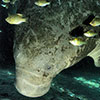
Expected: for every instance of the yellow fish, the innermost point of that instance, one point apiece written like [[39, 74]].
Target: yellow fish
[[15, 19], [6, 1], [77, 42], [95, 22], [90, 33], [42, 3]]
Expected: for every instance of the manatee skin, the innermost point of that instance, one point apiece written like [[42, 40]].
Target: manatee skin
[[42, 48], [95, 54]]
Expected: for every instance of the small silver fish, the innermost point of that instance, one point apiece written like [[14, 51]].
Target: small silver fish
[[13, 1], [0, 31], [90, 33], [6, 1], [42, 3], [95, 22], [9, 73], [77, 42], [5, 6]]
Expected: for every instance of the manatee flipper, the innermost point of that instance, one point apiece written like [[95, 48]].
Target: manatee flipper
[[95, 54], [97, 62]]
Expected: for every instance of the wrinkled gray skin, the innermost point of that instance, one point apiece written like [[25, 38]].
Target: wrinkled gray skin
[[42, 48]]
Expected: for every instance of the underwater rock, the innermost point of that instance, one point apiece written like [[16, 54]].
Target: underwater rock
[[41, 46]]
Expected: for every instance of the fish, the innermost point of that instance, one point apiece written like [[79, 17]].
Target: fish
[[77, 42], [95, 22], [10, 73], [6, 1], [13, 2], [90, 33], [15, 19], [0, 31], [5, 6], [42, 3]]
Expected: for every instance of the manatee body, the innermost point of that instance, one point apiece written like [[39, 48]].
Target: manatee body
[[42, 48]]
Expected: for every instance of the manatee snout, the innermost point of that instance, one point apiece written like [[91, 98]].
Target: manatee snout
[[33, 76]]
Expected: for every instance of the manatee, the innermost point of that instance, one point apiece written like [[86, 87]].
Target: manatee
[[41, 46]]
